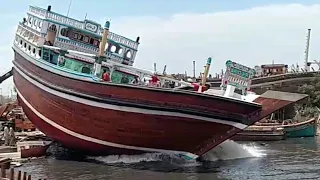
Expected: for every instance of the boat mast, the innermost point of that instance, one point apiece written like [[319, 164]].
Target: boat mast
[[206, 71], [101, 57], [306, 59], [69, 8]]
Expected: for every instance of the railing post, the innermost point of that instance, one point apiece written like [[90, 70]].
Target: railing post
[[3, 171], [19, 175], [24, 176], [11, 174]]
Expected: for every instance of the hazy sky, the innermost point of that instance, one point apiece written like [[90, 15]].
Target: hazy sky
[[176, 32]]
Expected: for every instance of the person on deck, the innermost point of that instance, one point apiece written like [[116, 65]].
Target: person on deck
[[125, 79], [154, 81], [106, 76]]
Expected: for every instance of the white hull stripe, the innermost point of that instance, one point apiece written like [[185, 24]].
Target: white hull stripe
[[94, 140], [124, 108]]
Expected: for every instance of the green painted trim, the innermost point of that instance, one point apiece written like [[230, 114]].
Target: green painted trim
[[42, 61]]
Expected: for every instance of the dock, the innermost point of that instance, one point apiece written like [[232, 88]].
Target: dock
[[8, 173]]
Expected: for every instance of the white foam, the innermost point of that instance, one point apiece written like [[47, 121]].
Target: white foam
[[232, 150], [148, 157], [225, 151]]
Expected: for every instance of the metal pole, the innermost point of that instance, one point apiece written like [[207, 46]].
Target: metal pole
[[194, 69], [69, 8], [307, 51]]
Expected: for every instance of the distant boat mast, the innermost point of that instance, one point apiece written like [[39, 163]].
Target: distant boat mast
[[69, 8], [306, 59]]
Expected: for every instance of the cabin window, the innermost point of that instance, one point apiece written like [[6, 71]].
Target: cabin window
[[40, 52], [86, 39], [25, 45], [29, 48], [80, 37], [39, 24], [64, 32], [91, 41], [30, 19], [128, 54], [34, 50], [95, 43], [20, 42], [85, 70], [53, 28], [113, 48], [120, 51], [35, 22], [75, 36]]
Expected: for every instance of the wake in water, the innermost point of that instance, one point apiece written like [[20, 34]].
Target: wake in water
[[225, 151]]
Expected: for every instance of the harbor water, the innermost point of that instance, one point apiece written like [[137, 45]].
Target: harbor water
[[297, 158]]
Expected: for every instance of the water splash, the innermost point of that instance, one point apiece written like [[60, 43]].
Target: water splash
[[128, 159], [225, 151], [232, 150]]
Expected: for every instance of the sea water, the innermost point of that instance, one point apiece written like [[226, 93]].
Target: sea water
[[289, 159]]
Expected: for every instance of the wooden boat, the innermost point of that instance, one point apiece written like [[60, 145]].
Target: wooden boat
[[306, 128], [260, 133], [58, 64], [33, 146]]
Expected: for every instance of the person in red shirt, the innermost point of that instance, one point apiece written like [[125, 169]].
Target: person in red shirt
[[105, 76]]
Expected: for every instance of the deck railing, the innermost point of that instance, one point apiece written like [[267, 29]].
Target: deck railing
[[81, 25]]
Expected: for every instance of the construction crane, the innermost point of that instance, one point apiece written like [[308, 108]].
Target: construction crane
[[6, 75]]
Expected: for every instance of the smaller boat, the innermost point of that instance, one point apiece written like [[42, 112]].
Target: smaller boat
[[33, 146], [260, 133], [306, 128]]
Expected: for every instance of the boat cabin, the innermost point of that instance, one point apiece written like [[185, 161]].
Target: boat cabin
[[45, 27]]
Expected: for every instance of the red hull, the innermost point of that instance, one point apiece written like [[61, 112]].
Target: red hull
[[242, 111], [100, 128]]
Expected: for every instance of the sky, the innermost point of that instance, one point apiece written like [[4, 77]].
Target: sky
[[176, 32]]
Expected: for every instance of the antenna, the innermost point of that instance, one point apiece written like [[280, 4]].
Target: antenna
[[85, 17], [307, 51], [69, 8]]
